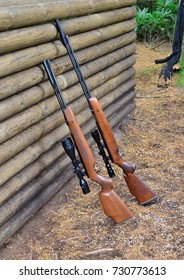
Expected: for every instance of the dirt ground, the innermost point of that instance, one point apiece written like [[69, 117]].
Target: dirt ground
[[73, 226]]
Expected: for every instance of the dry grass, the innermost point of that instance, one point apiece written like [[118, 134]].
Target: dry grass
[[73, 226]]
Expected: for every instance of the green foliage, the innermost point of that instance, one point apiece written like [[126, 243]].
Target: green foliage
[[146, 3], [180, 80], [156, 20]]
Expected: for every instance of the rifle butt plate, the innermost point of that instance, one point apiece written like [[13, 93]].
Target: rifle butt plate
[[150, 201]]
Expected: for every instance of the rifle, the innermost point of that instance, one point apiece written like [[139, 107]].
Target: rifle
[[137, 188], [111, 203]]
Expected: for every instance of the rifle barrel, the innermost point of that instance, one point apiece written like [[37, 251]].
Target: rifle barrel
[[142, 192], [66, 43], [54, 83]]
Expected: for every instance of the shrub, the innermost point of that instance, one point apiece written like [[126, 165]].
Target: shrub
[[156, 20]]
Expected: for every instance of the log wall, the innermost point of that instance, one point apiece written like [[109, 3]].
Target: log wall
[[33, 165]]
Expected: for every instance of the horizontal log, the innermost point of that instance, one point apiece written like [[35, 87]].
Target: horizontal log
[[21, 121], [23, 196], [30, 116], [7, 3], [23, 59], [114, 85], [28, 136], [28, 78], [30, 154], [21, 141], [17, 39], [101, 77], [28, 211], [47, 158], [30, 172], [31, 14], [29, 169], [122, 92], [30, 97], [27, 193]]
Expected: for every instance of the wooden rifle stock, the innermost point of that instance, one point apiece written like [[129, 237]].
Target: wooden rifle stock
[[111, 203], [138, 189]]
